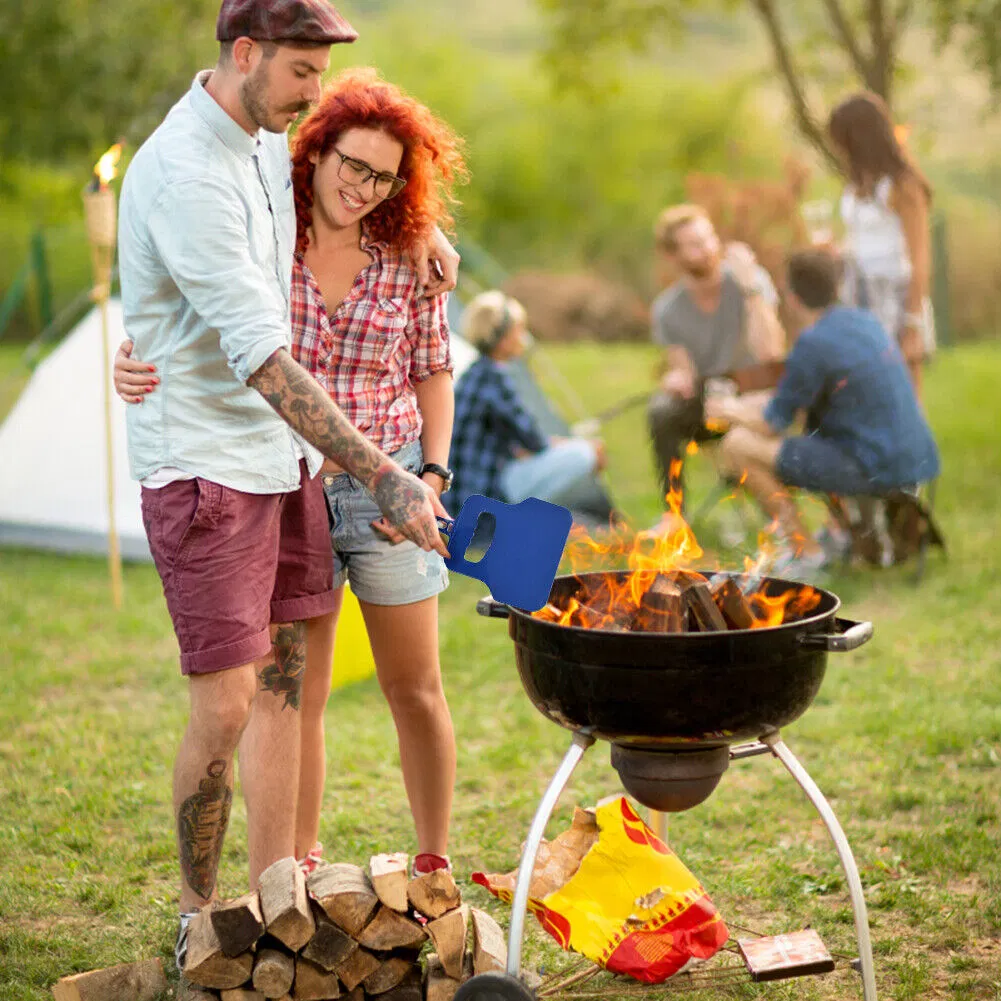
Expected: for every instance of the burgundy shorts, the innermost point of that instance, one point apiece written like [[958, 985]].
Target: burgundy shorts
[[233, 562]]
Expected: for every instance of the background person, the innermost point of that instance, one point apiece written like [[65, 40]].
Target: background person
[[885, 209], [864, 430], [718, 317], [498, 448]]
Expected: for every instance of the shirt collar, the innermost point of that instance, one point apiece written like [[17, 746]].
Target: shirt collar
[[234, 137]]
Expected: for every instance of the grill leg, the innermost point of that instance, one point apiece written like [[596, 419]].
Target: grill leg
[[519, 907], [816, 797]]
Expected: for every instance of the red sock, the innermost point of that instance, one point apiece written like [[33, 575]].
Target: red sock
[[428, 862]]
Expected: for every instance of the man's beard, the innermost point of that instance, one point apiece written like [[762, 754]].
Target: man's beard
[[254, 98]]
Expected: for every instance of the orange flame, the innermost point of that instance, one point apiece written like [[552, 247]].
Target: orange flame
[[772, 610], [902, 133], [106, 169]]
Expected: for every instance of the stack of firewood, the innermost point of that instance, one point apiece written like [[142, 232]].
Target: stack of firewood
[[342, 933]]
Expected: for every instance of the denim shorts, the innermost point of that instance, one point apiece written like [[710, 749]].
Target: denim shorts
[[379, 573], [816, 463]]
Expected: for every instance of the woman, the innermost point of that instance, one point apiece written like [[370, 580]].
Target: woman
[[498, 448], [371, 171], [885, 210]]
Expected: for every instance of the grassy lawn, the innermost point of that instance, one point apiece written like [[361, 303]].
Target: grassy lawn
[[905, 739]]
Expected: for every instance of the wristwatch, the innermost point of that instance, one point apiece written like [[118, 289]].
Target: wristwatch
[[439, 470]]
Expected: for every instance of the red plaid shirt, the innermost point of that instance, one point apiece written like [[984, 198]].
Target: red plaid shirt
[[382, 339]]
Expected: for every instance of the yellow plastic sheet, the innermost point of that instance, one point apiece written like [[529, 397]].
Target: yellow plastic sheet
[[632, 906]]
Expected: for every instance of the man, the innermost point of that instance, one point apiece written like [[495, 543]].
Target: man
[[719, 317], [226, 449], [865, 433], [498, 449]]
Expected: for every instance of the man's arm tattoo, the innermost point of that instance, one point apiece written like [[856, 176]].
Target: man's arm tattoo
[[284, 676], [201, 827], [304, 405]]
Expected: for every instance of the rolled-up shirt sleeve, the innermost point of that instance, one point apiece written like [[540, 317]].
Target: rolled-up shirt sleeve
[[200, 230], [429, 337], [801, 385]]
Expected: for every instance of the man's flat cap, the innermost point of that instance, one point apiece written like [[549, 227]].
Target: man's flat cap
[[282, 21]]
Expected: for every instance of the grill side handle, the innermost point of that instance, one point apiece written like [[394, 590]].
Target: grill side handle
[[850, 635], [491, 609]]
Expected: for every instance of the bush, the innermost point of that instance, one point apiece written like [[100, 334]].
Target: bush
[[973, 240]]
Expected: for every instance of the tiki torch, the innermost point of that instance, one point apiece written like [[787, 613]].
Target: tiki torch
[[101, 214]]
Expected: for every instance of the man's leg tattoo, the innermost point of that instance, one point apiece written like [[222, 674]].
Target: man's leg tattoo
[[284, 676], [201, 827]]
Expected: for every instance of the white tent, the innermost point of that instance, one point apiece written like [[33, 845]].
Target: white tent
[[53, 489], [53, 493]]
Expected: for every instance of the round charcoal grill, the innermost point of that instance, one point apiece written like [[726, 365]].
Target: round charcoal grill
[[676, 709]]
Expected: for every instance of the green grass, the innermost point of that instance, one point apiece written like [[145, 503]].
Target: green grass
[[905, 739]]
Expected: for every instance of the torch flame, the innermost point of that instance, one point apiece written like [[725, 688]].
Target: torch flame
[[106, 169]]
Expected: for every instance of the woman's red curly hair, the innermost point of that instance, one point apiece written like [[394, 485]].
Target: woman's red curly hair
[[432, 157]]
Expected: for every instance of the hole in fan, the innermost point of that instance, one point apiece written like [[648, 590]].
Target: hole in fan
[[483, 536]]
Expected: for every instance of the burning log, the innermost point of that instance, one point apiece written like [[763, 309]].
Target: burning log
[[662, 608], [732, 602], [703, 613]]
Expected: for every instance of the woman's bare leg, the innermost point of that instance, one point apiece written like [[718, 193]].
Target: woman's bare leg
[[405, 644], [320, 633]]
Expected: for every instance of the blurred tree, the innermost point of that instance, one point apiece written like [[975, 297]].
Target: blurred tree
[[78, 74], [866, 33]]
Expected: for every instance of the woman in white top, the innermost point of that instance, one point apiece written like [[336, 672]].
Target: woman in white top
[[885, 208]]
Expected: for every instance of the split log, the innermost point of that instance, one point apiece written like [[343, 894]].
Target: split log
[[448, 933], [389, 879], [358, 994], [241, 994], [732, 602], [489, 945], [703, 613], [410, 988], [434, 893], [313, 983], [662, 609], [391, 930], [206, 965], [188, 991], [360, 964], [438, 985], [390, 973], [329, 945], [285, 904], [238, 923], [142, 981], [274, 972], [346, 895]]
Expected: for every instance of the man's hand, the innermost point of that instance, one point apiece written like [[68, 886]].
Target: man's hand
[[133, 379], [408, 504], [744, 267], [437, 264], [404, 500], [679, 382], [721, 409]]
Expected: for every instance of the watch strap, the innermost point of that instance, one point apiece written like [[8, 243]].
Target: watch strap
[[438, 470]]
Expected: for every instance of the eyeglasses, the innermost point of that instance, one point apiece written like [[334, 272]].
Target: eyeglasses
[[358, 172]]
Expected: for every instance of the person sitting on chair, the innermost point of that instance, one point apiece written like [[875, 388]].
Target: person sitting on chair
[[498, 448], [865, 433], [719, 317]]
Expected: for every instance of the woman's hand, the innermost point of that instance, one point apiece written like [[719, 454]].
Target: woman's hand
[[435, 482], [437, 264], [133, 379]]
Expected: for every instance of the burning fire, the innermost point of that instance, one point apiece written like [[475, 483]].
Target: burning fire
[[106, 169], [671, 549]]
